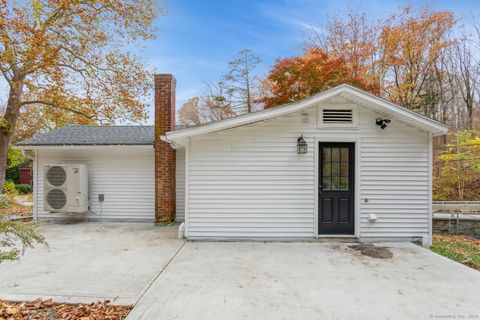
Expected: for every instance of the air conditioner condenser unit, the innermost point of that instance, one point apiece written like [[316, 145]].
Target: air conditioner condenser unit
[[65, 188]]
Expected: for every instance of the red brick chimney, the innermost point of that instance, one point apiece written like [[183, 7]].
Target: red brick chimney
[[164, 154]]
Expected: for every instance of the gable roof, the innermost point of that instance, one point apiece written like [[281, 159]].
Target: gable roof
[[348, 92], [78, 135]]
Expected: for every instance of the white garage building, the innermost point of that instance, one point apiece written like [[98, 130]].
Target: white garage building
[[340, 163]]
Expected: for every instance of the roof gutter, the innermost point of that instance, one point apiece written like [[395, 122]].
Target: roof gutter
[[173, 144], [91, 146]]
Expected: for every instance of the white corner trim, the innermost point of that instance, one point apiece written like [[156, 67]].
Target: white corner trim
[[35, 185], [430, 189], [316, 182], [187, 186]]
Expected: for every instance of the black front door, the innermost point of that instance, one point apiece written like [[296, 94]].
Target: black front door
[[336, 187]]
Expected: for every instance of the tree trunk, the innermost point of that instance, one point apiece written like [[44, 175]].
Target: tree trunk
[[469, 105], [7, 126]]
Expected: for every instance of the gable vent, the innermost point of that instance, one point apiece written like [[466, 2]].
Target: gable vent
[[337, 116]]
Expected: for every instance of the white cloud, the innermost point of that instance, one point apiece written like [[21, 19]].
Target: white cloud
[[289, 19]]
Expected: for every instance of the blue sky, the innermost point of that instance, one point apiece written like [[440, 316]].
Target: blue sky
[[196, 38]]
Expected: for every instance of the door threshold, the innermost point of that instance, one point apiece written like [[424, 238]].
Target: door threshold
[[336, 236], [347, 238]]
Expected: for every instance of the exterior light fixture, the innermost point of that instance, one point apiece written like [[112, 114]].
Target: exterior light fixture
[[302, 146], [382, 123]]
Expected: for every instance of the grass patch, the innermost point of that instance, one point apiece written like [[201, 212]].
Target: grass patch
[[462, 249]]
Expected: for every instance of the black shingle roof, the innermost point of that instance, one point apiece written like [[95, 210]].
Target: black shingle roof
[[77, 135]]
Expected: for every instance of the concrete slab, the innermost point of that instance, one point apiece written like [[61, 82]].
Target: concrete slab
[[209, 280], [86, 262]]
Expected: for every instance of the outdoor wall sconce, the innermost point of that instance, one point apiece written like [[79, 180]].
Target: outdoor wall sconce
[[302, 146], [382, 123]]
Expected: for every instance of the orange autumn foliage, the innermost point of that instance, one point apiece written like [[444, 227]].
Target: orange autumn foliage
[[412, 44], [70, 61], [292, 79]]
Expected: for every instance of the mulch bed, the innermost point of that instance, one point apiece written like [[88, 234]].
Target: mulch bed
[[48, 310]]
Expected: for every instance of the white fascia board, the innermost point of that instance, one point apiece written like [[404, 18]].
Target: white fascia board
[[436, 128], [82, 147], [433, 126], [177, 144]]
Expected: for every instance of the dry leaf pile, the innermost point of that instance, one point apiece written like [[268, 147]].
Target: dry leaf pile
[[17, 210], [47, 309], [457, 239]]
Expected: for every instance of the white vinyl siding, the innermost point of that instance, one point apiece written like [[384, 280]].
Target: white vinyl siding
[[250, 182], [180, 184], [125, 175]]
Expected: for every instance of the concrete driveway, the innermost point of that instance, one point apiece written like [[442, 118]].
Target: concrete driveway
[[168, 278], [87, 262], [222, 280]]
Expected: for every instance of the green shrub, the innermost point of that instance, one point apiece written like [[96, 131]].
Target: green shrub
[[24, 188], [13, 174], [9, 188]]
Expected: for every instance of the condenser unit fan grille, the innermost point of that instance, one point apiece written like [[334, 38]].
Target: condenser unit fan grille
[[56, 176], [56, 199]]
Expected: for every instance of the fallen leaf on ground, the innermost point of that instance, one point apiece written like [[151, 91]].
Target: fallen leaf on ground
[[49, 310]]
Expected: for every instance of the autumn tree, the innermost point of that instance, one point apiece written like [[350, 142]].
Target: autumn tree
[[214, 105], [241, 81], [292, 79], [463, 81], [465, 73], [411, 44], [235, 93], [426, 61], [190, 113], [64, 57], [355, 37], [458, 177], [405, 53]]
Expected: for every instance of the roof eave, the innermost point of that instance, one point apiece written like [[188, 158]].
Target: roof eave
[[251, 117], [423, 122], [79, 146], [427, 124]]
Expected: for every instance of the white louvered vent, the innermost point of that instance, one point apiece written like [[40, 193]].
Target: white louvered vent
[[337, 116]]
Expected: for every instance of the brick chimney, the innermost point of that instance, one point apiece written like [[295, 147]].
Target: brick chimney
[[164, 154]]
